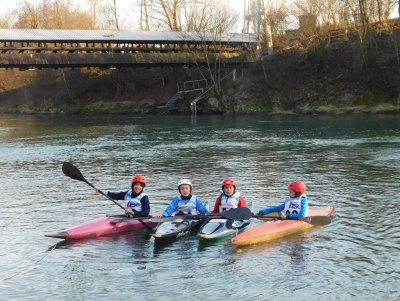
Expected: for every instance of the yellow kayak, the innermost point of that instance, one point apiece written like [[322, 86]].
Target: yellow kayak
[[273, 229]]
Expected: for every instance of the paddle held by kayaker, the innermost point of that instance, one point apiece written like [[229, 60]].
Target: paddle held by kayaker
[[294, 206], [229, 197], [137, 202], [185, 202]]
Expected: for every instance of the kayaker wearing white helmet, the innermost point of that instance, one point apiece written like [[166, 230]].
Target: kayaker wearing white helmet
[[185, 203], [295, 206]]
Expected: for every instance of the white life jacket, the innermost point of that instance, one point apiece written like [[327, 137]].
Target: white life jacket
[[134, 202], [229, 202], [292, 206], [186, 206]]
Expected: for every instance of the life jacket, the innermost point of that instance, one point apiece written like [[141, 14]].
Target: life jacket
[[134, 202], [229, 202], [186, 206], [292, 205]]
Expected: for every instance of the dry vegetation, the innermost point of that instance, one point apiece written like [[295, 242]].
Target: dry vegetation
[[344, 57]]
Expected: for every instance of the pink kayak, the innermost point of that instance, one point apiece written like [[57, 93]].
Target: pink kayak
[[104, 226]]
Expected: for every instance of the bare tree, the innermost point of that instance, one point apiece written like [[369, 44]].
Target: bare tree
[[145, 9], [115, 15], [276, 15], [51, 14], [27, 16], [7, 20], [110, 14], [94, 6], [188, 15]]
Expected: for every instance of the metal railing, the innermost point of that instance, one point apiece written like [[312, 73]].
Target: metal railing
[[192, 85]]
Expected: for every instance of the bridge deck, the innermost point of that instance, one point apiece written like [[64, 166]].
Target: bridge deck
[[42, 48]]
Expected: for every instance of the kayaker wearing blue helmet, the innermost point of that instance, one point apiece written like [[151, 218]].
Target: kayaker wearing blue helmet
[[185, 203], [295, 206]]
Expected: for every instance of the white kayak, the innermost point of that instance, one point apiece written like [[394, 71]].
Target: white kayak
[[176, 228]]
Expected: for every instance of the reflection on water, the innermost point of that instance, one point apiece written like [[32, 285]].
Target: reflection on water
[[351, 161]]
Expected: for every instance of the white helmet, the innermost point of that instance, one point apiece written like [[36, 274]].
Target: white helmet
[[185, 182]]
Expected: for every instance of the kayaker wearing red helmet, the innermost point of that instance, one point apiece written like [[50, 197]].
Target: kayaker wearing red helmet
[[295, 206], [185, 203], [137, 202], [229, 197]]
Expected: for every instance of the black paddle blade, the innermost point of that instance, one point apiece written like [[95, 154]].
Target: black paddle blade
[[72, 172], [317, 220], [241, 213]]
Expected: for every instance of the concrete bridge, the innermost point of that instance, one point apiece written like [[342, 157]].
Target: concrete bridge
[[53, 48]]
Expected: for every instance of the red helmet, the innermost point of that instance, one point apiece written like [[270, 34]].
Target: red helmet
[[298, 186], [229, 181], [139, 179]]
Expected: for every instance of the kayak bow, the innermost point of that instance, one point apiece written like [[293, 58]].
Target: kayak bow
[[103, 226]]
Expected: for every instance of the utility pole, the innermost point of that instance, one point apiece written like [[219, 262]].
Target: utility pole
[[255, 22]]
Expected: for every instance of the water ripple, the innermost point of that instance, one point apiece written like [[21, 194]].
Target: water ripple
[[350, 161]]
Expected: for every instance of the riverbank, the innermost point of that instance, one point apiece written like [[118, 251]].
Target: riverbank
[[321, 80]]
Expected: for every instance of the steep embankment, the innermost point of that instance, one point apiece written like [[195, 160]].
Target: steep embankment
[[342, 78]]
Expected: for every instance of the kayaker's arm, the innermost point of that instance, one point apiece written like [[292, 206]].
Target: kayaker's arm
[[116, 195], [242, 202], [171, 208], [278, 208], [200, 206], [145, 207], [217, 204]]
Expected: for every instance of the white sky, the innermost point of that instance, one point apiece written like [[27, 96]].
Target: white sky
[[237, 4], [12, 4]]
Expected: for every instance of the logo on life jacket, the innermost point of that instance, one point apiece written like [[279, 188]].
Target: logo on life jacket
[[133, 204], [294, 205]]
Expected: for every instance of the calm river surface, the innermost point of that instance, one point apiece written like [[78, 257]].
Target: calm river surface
[[350, 161]]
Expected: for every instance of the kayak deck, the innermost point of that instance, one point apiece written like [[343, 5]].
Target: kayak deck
[[274, 229], [220, 228], [103, 226], [176, 228]]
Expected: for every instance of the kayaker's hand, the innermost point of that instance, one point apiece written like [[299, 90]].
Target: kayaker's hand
[[97, 188], [129, 211], [282, 215], [260, 212]]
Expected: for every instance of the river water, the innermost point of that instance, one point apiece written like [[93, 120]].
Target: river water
[[350, 161]]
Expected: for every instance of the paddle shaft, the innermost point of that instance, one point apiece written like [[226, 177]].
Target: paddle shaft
[[319, 220], [242, 213], [106, 195]]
